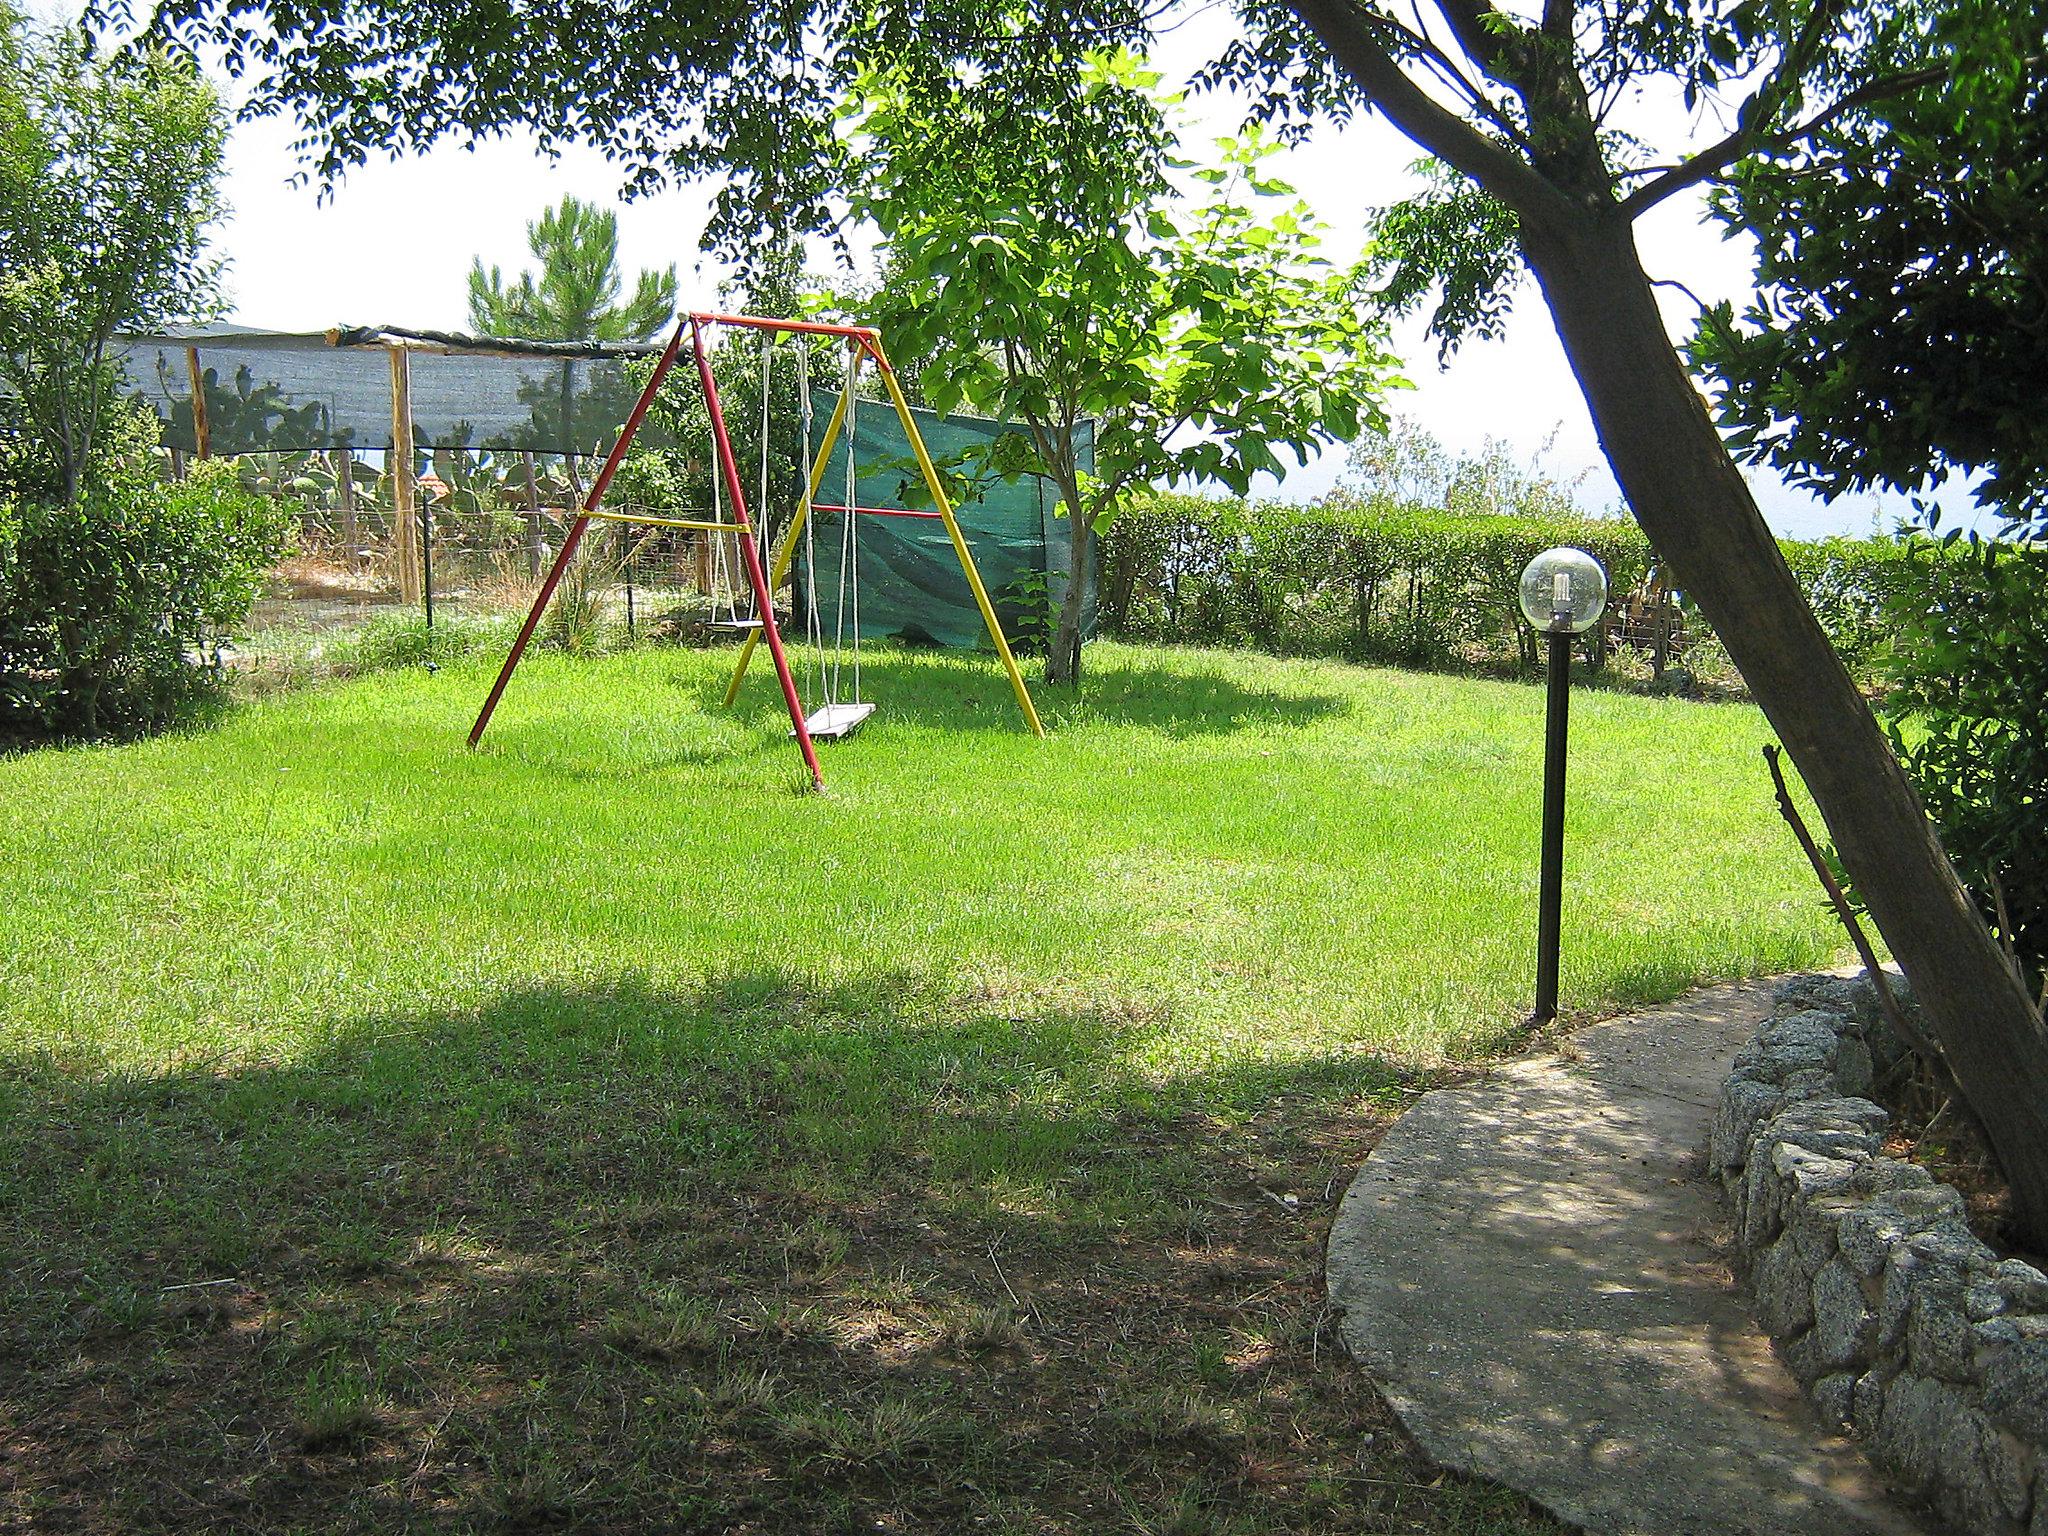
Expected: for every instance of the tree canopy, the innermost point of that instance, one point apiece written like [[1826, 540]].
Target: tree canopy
[[1898, 333], [1204, 335], [109, 171]]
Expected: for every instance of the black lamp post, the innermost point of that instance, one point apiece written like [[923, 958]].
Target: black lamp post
[[1564, 592]]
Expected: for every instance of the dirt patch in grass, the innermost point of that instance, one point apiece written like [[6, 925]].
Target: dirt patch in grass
[[641, 1300]]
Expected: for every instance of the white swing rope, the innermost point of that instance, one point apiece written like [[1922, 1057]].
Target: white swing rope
[[721, 557], [814, 623]]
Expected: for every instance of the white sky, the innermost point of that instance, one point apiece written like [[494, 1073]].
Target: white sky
[[393, 245]]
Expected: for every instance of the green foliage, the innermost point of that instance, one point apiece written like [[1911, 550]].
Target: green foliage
[[1202, 330], [108, 603], [1364, 578], [1453, 244], [1902, 255], [1374, 578], [108, 174], [575, 295], [1968, 713]]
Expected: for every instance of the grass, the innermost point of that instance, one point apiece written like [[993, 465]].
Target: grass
[[595, 1132]]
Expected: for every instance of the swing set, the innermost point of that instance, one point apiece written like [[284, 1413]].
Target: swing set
[[835, 717]]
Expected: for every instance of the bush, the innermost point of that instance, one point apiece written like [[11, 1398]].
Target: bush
[[1376, 579], [108, 605], [1968, 714], [1360, 577]]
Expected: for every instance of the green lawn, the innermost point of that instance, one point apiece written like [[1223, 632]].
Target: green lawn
[[594, 1130]]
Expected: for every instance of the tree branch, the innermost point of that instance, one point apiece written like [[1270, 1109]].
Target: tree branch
[[1751, 132], [1505, 176]]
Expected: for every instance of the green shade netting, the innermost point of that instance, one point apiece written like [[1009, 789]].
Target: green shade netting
[[910, 581]]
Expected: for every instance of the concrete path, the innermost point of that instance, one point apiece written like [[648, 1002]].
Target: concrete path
[[1528, 1270]]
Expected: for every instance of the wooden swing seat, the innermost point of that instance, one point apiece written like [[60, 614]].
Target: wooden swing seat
[[836, 722], [738, 625]]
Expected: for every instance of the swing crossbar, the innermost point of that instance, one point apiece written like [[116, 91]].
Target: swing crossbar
[[861, 333], [827, 506], [651, 521]]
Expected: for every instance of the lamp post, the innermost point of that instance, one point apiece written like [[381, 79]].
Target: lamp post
[[1564, 592]]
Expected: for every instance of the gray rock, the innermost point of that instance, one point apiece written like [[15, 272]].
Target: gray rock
[[1815, 1030], [1996, 1333], [1908, 1278], [1745, 1105], [1796, 994], [1784, 1291], [1868, 1235], [2025, 1286], [1983, 1300], [1855, 1072], [1952, 1247], [1833, 1126], [1802, 1358], [1810, 1225], [1760, 1206], [1808, 1174], [1844, 1325], [1939, 1340], [1881, 1175], [2009, 1464], [1834, 1398], [2016, 1389], [1913, 1430], [1817, 1082], [1868, 1405]]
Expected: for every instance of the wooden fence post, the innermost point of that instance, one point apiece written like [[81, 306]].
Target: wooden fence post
[[405, 531]]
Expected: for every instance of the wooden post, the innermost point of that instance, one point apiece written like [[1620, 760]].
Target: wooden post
[[345, 497], [405, 531], [202, 429]]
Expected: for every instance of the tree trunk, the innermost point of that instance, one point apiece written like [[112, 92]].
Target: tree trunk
[[1692, 502], [1063, 654]]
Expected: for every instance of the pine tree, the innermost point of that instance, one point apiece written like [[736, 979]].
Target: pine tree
[[575, 294]]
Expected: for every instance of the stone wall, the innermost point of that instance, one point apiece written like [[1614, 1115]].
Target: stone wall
[[1904, 1329]]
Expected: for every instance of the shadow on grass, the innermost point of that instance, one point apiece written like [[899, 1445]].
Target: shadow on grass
[[953, 690], [761, 1255]]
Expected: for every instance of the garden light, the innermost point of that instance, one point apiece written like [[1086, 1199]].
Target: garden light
[[1564, 592]]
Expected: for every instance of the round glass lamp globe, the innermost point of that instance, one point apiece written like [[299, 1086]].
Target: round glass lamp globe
[[1564, 591]]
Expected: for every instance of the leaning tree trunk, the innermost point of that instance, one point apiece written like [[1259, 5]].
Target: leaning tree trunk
[[1692, 502]]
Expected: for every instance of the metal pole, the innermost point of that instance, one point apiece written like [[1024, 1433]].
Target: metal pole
[[1550, 893], [757, 578], [427, 557], [574, 536]]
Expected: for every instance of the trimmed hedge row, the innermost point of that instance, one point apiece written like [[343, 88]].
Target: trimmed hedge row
[[1374, 580]]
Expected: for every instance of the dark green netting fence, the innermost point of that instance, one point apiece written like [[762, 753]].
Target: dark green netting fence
[[911, 584]]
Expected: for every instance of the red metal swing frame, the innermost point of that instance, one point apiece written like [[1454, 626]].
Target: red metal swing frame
[[693, 326]]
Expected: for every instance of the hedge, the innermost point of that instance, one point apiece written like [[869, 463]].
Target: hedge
[[1374, 580]]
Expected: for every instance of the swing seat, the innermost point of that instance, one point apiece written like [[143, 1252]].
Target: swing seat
[[835, 722], [739, 625]]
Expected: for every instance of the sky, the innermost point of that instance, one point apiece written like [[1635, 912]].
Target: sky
[[393, 245]]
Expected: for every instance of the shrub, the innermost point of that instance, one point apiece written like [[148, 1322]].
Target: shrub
[[1377, 579], [108, 605], [1968, 714], [1363, 577]]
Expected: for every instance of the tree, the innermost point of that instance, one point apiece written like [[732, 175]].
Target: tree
[[575, 294], [1528, 109], [108, 179], [1052, 291], [1897, 336]]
